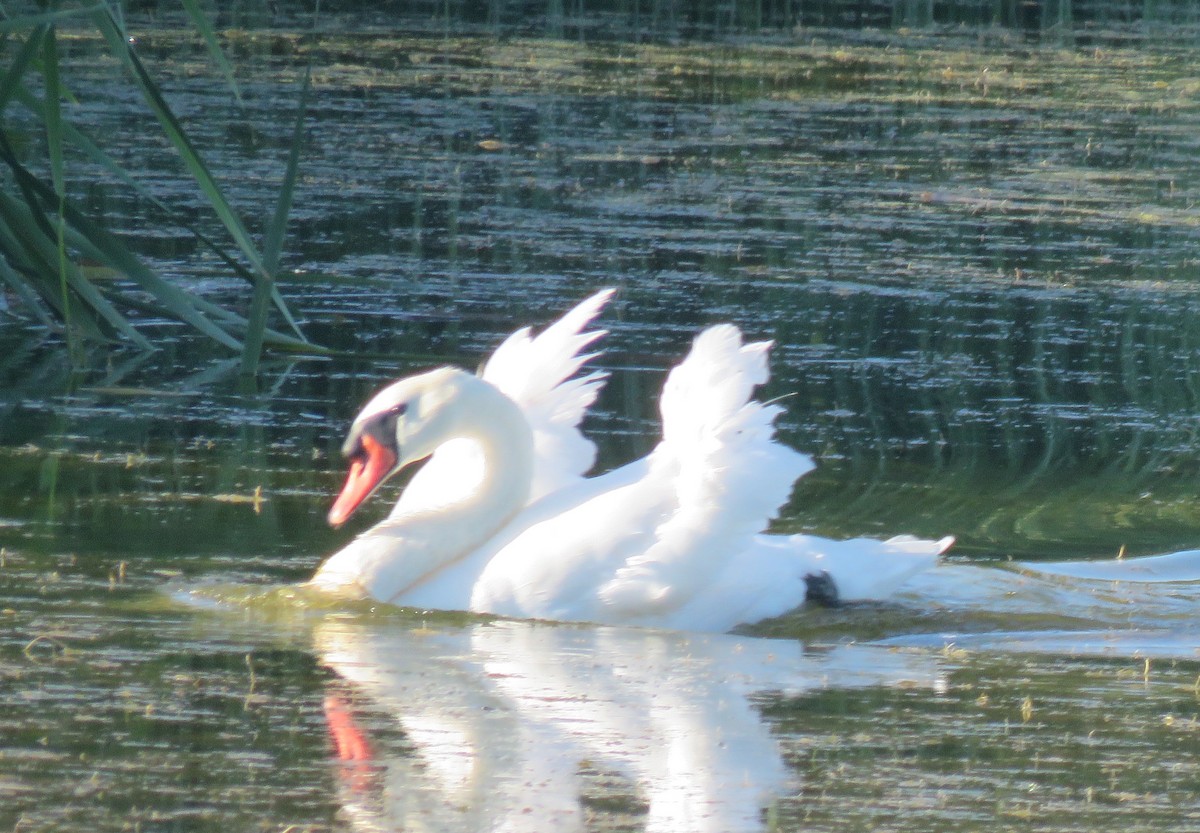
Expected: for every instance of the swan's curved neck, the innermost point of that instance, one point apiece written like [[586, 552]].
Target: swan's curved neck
[[499, 429], [409, 546]]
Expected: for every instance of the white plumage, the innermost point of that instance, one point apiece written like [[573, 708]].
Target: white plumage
[[502, 521]]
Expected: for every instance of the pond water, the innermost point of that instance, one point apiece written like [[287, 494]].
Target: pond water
[[977, 256]]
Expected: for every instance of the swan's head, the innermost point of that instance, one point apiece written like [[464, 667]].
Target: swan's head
[[403, 423]]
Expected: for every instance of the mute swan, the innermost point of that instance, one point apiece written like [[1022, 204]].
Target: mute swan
[[672, 540]]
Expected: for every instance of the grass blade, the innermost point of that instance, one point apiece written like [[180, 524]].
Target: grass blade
[[53, 122], [101, 158], [27, 295], [271, 337], [23, 285], [191, 157], [178, 137], [54, 148], [200, 20], [41, 252], [41, 236], [11, 82], [95, 242], [273, 240]]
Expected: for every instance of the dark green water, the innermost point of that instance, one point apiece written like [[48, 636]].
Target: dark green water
[[977, 256]]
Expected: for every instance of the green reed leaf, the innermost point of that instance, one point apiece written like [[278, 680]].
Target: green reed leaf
[[10, 83], [25, 293], [54, 148], [178, 137], [174, 131], [94, 241], [273, 241], [94, 152], [40, 252], [204, 27]]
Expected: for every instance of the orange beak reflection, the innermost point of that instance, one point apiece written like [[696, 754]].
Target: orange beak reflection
[[367, 471]]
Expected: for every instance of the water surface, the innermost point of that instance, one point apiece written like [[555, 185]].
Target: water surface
[[976, 255]]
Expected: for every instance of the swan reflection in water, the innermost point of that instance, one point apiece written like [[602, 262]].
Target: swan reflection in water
[[526, 726]]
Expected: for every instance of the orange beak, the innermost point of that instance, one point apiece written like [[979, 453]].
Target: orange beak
[[365, 475]]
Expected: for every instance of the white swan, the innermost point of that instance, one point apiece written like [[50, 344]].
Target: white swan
[[671, 540]]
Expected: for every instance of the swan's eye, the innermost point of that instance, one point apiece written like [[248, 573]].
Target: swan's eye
[[391, 420]]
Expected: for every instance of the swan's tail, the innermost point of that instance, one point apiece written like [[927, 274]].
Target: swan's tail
[[730, 476], [538, 373], [866, 569]]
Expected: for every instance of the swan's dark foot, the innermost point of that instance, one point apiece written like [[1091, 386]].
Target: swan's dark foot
[[821, 590]]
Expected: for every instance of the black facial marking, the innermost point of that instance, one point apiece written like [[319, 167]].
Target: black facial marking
[[381, 428], [352, 448], [385, 426]]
